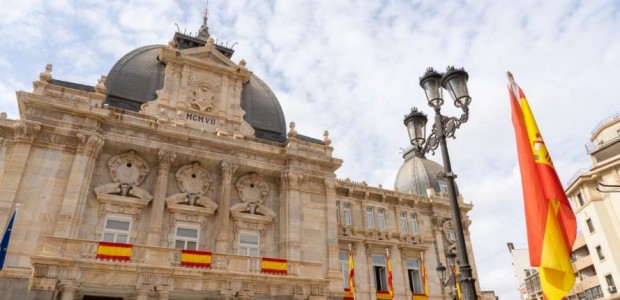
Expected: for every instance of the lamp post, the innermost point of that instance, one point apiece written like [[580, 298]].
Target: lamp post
[[455, 82], [441, 269]]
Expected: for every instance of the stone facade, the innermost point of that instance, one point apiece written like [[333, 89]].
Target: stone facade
[[82, 170]]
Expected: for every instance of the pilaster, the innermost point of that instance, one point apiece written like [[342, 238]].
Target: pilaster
[[221, 243], [290, 211], [159, 198], [68, 290], [25, 132], [331, 229], [69, 220]]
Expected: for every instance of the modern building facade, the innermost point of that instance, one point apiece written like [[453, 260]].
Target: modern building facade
[[595, 198], [176, 177]]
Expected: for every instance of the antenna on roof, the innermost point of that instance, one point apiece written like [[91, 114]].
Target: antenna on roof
[[178, 29]]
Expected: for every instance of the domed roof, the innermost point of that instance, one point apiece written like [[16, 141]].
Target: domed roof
[[136, 77], [417, 174]]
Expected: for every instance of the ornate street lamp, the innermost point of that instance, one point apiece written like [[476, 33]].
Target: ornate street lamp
[[441, 269], [455, 82]]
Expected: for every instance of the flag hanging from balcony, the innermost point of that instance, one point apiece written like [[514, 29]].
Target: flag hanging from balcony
[[389, 275], [4, 245], [114, 251], [424, 296], [384, 295], [550, 221], [350, 295], [274, 266], [195, 259]]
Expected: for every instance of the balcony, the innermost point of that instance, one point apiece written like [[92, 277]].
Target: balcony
[[75, 260], [582, 262]]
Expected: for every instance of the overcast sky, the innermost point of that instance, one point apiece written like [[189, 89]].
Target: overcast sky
[[352, 67]]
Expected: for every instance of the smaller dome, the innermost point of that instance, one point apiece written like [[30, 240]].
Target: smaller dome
[[417, 174]]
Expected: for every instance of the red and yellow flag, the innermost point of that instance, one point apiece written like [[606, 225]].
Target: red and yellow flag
[[274, 266], [384, 295], [459, 295], [550, 221], [351, 274], [195, 259], [389, 275], [114, 251], [423, 296], [348, 295]]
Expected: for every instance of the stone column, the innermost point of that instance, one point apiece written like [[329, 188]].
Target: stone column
[[163, 293], [142, 294], [159, 198], [25, 132], [290, 212], [331, 229], [73, 203], [68, 290], [221, 242]]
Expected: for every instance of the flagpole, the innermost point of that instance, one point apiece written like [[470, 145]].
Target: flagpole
[[351, 278]]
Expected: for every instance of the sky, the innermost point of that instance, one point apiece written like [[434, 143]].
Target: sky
[[353, 68]]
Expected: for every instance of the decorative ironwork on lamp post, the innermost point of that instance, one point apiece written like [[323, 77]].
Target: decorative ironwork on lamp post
[[441, 270], [455, 82]]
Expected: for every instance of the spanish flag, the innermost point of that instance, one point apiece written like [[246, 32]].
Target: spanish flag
[[114, 251], [424, 280], [550, 221], [389, 275], [348, 295], [195, 259], [384, 295], [351, 276], [459, 294], [274, 266]]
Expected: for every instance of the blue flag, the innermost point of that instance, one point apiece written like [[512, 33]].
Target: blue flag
[[4, 245]]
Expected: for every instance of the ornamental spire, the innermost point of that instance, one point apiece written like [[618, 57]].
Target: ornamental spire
[[203, 32]]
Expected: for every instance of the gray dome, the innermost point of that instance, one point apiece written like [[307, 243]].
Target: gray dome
[[417, 174], [136, 77]]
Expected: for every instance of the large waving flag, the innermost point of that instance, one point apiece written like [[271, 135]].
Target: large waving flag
[[389, 275], [351, 274], [551, 225], [459, 294], [4, 245], [424, 280]]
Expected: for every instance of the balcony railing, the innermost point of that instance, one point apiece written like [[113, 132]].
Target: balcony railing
[[582, 262], [167, 257]]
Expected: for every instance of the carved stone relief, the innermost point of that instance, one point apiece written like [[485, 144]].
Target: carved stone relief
[[252, 189], [128, 168], [448, 231]]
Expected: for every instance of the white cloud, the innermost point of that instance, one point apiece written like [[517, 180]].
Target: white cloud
[[352, 67]]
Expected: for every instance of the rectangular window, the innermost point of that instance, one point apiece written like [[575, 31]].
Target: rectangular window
[[116, 229], [590, 225], [443, 187], [599, 251], [346, 209], [580, 199], [370, 217], [610, 281], [381, 218], [380, 272], [403, 222], [415, 278], [344, 267], [186, 237], [413, 223], [249, 242], [338, 212]]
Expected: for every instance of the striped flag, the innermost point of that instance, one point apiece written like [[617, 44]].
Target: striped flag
[[274, 266], [114, 251], [459, 295], [4, 245], [351, 274], [424, 280], [550, 221], [389, 275], [195, 259]]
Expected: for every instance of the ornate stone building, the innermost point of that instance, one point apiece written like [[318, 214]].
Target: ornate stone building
[[175, 177]]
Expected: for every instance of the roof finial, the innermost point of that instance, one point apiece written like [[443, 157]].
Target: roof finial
[[203, 32]]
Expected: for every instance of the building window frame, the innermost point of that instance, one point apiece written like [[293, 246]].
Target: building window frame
[[246, 248], [414, 276], [580, 199], [116, 235], [402, 216], [599, 252], [188, 242], [381, 218], [413, 223], [370, 217], [347, 217], [379, 268], [590, 225], [343, 256]]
